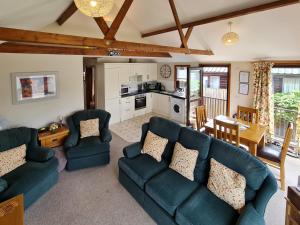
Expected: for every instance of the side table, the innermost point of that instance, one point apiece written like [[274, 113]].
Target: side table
[[52, 140], [292, 216]]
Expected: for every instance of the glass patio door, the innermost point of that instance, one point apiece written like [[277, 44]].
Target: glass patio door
[[194, 92]]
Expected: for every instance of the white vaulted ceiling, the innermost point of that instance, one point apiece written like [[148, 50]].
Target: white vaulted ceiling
[[273, 34]]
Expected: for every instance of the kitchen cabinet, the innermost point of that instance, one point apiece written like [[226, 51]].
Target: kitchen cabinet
[[112, 87], [152, 72], [161, 104], [126, 72], [113, 107], [127, 108], [140, 69], [149, 103]]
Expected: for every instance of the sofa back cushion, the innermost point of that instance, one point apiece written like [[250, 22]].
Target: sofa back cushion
[[195, 140], [241, 162], [84, 115], [12, 159], [14, 137], [165, 129]]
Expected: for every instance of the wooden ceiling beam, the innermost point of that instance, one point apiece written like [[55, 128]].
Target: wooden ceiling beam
[[102, 25], [187, 35], [118, 20], [67, 14], [226, 16], [17, 35], [178, 24], [40, 49]]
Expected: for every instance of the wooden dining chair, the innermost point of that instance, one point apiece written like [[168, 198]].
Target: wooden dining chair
[[275, 156], [247, 114], [201, 118], [228, 132]]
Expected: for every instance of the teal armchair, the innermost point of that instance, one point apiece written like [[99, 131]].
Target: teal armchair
[[89, 151]]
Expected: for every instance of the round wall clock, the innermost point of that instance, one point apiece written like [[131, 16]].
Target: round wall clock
[[165, 71]]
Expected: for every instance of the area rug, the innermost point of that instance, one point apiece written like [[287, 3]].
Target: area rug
[[95, 197]]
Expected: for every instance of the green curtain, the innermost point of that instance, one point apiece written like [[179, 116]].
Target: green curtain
[[263, 95]]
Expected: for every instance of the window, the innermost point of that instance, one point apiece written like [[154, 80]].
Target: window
[[214, 82], [181, 72]]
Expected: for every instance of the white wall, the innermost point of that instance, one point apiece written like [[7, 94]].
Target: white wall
[[39, 114], [235, 98]]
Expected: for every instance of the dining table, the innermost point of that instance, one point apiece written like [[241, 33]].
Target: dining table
[[252, 135]]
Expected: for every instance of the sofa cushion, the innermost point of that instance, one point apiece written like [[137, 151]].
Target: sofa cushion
[[166, 129], [241, 162], [192, 139], [184, 161], [169, 189], [87, 147], [12, 159], [141, 168], [204, 208], [89, 128], [154, 146], [227, 184]]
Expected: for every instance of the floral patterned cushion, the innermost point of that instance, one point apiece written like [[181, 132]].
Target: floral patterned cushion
[[12, 159], [154, 145], [89, 128], [227, 184], [184, 161]]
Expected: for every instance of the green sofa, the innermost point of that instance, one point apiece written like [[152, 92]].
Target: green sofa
[[36, 176], [170, 198], [89, 151]]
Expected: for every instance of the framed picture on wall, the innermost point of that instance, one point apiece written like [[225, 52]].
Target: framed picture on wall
[[244, 83], [35, 86]]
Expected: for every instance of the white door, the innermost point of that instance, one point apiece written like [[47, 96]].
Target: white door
[[113, 107], [112, 86], [165, 104]]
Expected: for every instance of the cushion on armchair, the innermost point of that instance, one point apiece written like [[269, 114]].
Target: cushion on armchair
[[89, 128], [12, 159]]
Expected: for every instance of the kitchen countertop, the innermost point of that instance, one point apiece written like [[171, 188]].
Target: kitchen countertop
[[169, 93]]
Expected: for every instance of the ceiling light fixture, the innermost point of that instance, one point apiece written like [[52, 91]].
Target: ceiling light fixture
[[94, 8], [230, 38]]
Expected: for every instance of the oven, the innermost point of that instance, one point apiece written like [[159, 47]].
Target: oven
[[140, 101]]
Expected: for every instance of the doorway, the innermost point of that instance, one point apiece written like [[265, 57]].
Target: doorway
[[216, 89], [89, 87]]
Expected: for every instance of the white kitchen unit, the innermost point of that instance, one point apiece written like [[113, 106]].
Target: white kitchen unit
[[149, 103], [110, 77], [161, 104], [127, 108]]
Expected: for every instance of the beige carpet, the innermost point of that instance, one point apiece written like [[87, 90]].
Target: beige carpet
[[95, 197]]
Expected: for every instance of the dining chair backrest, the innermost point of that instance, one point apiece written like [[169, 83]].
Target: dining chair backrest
[[247, 114], [201, 117], [228, 132], [287, 141]]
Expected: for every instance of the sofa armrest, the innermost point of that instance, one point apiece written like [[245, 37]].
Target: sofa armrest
[[250, 216], [39, 154], [71, 140], [3, 185], [105, 135], [132, 151], [264, 194]]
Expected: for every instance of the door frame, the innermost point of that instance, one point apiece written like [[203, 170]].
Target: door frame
[[228, 82]]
